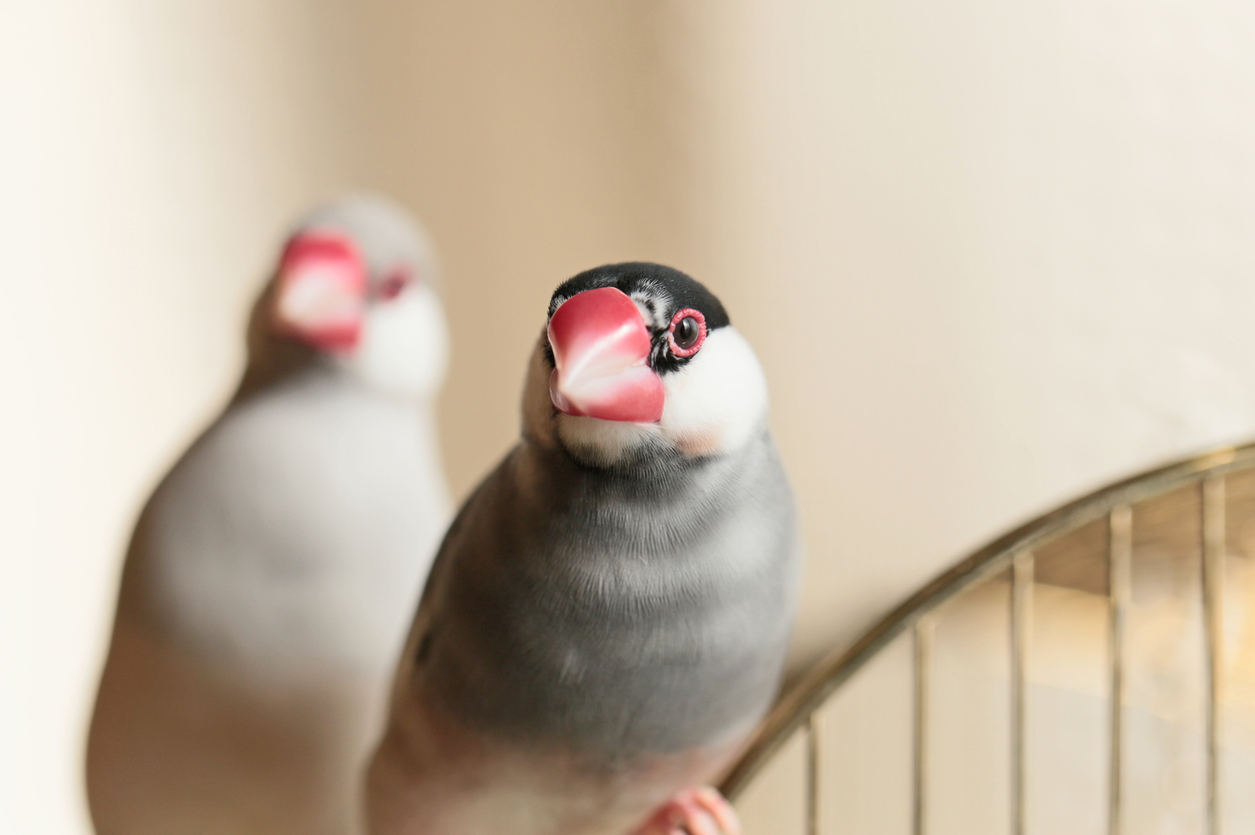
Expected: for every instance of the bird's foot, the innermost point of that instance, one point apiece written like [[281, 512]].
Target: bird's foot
[[697, 811]]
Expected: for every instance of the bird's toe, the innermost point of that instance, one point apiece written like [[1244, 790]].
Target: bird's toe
[[695, 811]]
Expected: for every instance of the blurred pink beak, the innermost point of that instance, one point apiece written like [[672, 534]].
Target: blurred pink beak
[[600, 350], [321, 293]]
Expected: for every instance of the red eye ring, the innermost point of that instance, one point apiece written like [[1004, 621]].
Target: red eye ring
[[680, 316], [394, 284]]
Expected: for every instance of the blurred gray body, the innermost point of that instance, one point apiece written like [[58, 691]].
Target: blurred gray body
[[263, 604], [590, 641]]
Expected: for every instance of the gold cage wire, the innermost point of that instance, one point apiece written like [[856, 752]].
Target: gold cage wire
[[1174, 728]]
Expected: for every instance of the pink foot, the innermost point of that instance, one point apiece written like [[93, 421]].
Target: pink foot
[[696, 811]]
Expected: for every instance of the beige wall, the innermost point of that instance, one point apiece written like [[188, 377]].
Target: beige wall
[[991, 254]]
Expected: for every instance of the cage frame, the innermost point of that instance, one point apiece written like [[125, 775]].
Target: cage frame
[[1013, 552]]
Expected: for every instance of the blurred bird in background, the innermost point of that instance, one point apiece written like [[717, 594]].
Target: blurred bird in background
[[273, 571], [608, 615]]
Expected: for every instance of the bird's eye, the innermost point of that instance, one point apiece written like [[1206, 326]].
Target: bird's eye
[[396, 282], [687, 332]]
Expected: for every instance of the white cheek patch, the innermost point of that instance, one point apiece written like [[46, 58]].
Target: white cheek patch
[[718, 399], [404, 346]]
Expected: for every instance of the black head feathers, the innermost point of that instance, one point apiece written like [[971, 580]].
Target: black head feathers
[[668, 288]]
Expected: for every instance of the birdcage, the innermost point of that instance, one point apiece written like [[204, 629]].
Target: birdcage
[[1091, 672]]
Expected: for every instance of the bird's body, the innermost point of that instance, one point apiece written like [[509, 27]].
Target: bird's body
[[606, 620], [264, 600]]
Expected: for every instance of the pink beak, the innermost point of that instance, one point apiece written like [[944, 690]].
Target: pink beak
[[321, 293], [601, 347]]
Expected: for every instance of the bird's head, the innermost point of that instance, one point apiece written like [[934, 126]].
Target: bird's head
[[354, 286], [639, 357]]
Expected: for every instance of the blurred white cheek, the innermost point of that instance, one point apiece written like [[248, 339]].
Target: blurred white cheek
[[404, 348]]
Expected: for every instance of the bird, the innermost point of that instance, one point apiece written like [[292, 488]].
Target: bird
[[273, 572], [608, 616]]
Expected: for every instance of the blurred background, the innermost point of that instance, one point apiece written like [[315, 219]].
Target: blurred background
[[991, 254]]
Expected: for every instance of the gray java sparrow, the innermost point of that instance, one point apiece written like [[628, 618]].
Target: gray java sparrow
[[274, 571], [607, 618]]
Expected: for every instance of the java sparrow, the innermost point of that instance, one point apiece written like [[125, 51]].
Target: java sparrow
[[274, 571], [607, 617]]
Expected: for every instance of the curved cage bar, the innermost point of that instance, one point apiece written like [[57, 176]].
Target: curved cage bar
[[1084, 657]]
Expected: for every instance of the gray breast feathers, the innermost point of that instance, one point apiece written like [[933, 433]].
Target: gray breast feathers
[[610, 612]]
